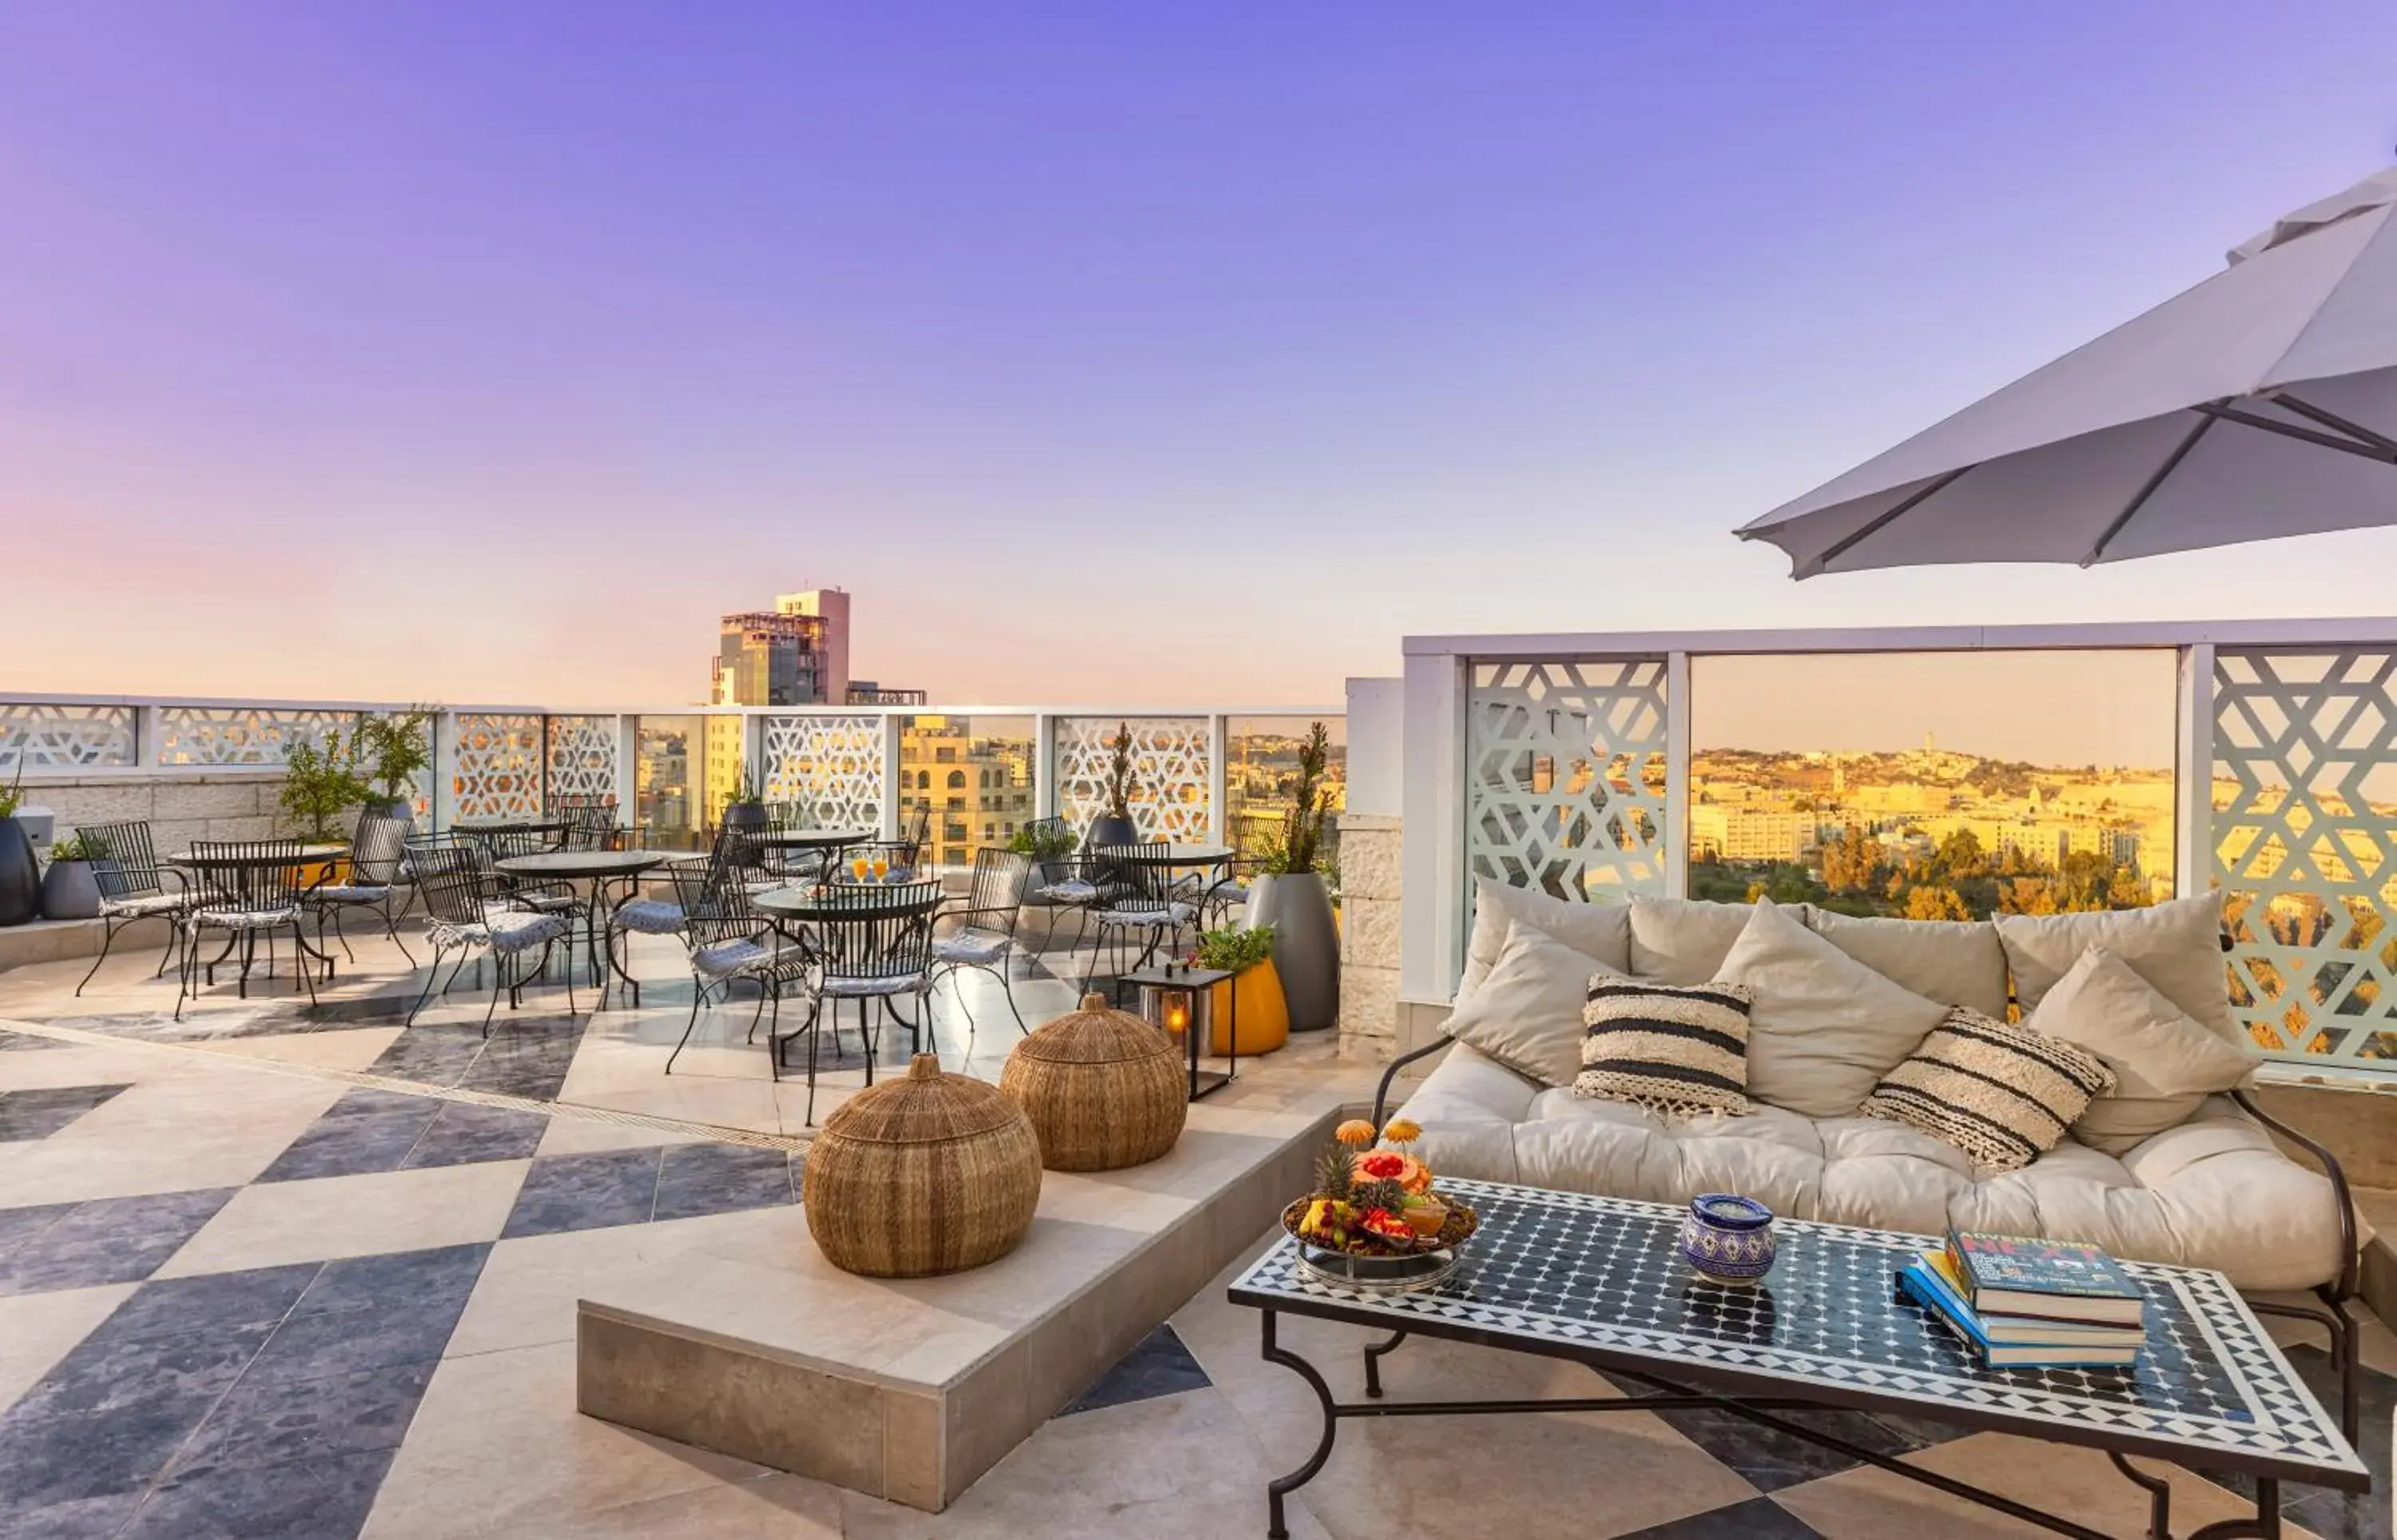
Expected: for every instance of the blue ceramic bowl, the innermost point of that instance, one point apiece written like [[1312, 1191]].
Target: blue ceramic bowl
[[1728, 1239]]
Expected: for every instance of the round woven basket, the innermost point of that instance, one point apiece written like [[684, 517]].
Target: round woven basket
[[1104, 1089], [928, 1174]]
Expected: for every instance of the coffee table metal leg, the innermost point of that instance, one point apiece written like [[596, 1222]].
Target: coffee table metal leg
[[1373, 1351], [2266, 1525], [2159, 1493], [1282, 1486]]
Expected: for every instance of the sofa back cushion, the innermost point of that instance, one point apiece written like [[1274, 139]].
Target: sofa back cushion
[[1602, 931], [1953, 961], [2000, 1092], [2177, 946], [1825, 1028], [2164, 1063], [1683, 940], [1678, 1050], [1526, 1012]]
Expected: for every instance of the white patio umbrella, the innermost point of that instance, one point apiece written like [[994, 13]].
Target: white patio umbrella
[[2261, 403]]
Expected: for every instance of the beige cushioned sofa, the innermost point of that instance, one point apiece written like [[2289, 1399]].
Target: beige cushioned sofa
[[2213, 1190]]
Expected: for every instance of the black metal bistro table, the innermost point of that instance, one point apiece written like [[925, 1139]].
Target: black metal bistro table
[[830, 841], [1597, 1281], [306, 856], [1199, 981], [598, 867], [828, 907], [551, 830]]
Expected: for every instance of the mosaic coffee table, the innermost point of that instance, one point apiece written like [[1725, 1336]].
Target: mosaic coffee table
[[1595, 1280]]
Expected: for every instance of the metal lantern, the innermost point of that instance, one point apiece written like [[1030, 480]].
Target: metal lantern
[[1177, 1010]]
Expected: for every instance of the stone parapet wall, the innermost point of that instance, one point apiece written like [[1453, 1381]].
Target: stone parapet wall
[[1369, 934], [203, 805]]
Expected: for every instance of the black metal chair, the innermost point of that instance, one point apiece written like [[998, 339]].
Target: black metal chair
[[982, 930], [872, 942], [499, 842], [246, 888], [134, 887], [1138, 894], [729, 939], [590, 822], [377, 851], [470, 908], [919, 830]]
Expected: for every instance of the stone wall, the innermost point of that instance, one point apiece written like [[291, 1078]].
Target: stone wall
[[202, 804], [1369, 934]]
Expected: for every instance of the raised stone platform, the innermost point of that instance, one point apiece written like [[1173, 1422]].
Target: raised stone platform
[[909, 1389]]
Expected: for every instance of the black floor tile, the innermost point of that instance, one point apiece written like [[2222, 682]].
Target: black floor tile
[[465, 1133], [360, 1009], [11, 1042], [1158, 1365], [174, 1306], [266, 1422], [22, 1224], [115, 1373], [51, 1460], [107, 1240], [441, 1276], [713, 1178], [1758, 1519], [573, 1192], [437, 1054], [322, 1499], [349, 1342], [39, 1114], [76, 1519], [1769, 1459], [366, 1131]]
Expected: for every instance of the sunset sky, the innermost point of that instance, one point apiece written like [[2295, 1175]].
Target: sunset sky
[[1105, 353]]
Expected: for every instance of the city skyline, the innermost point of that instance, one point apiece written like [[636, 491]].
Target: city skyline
[[1340, 326]]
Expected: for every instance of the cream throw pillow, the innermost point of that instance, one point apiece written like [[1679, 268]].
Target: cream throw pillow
[[2177, 946], [1954, 962], [1527, 1013], [1683, 940], [1602, 930], [1825, 1028], [2165, 1065]]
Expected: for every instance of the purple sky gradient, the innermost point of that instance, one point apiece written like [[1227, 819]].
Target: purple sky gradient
[[488, 352]]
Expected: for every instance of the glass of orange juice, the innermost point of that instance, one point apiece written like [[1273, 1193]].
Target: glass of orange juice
[[857, 869], [881, 868]]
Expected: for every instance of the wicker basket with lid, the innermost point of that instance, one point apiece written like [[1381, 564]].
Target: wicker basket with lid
[[928, 1174], [1104, 1089]]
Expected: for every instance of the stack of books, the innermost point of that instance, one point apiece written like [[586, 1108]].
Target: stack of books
[[2028, 1304]]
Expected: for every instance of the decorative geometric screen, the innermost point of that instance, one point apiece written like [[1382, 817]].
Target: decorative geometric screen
[[499, 762], [582, 756], [2304, 832], [1564, 777], [43, 737], [1173, 777], [829, 767], [242, 734]]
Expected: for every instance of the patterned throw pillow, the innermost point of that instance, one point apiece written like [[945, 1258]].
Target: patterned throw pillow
[[1676, 1049], [1998, 1091]]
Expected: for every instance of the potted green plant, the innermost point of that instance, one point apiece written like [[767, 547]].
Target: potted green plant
[[68, 890], [1114, 827], [1290, 896], [20, 876], [321, 783], [1247, 953], [392, 750], [745, 803]]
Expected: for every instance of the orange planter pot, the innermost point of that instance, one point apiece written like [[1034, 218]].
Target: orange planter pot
[[1265, 1018]]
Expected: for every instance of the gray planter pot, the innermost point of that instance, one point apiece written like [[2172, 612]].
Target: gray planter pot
[[1306, 946], [69, 892]]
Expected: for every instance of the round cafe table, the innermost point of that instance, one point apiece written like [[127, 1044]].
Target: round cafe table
[[598, 867], [255, 860], [831, 841], [834, 908]]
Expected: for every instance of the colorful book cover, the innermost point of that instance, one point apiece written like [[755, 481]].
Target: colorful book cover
[[2015, 1265], [1924, 1286]]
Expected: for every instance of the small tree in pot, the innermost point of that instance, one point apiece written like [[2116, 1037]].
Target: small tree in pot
[[1290, 897], [1115, 827], [1263, 1018], [394, 750], [321, 783]]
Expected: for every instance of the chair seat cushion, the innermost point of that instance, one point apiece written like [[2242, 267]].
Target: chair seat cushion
[[148, 903], [244, 918], [1166, 914], [1072, 890], [650, 916], [863, 986], [503, 930], [348, 893], [971, 947], [730, 959]]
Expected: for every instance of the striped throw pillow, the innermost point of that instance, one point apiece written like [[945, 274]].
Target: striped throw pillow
[[1995, 1090], [1676, 1049]]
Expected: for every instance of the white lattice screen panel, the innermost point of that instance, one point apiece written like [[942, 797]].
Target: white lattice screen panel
[[499, 765], [1172, 775], [582, 756], [2305, 826], [242, 734], [1564, 777], [40, 736], [829, 767]]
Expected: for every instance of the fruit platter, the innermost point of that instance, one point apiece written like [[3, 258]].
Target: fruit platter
[[1374, 1220]]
